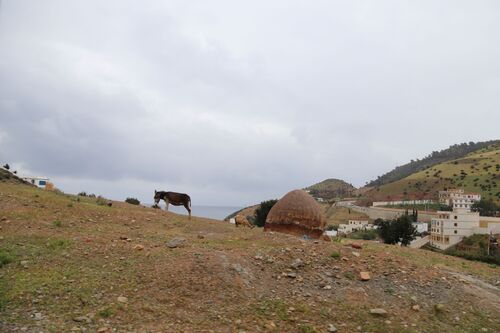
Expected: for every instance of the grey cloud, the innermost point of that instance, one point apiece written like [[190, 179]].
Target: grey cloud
[[240, 101]]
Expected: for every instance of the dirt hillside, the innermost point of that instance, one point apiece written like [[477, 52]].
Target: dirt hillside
[[77, 266]]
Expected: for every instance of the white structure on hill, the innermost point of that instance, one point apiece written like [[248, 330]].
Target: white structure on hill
[[457, 198], [402, 202], [37, 181], [421, 227], [354, 225], [449, 228]]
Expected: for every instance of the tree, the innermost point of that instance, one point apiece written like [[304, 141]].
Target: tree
[[486, 207], [6, 166], [396, 231], [261, 212]]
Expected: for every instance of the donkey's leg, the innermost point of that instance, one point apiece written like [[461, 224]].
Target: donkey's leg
[[186, 205], [166, 205]]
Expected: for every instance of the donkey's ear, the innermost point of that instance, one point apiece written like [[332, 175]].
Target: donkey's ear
[[155, 191]]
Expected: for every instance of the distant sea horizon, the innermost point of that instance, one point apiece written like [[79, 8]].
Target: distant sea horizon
[[211, 212]]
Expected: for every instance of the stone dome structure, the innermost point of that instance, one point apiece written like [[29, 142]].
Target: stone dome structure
[[296, 213]]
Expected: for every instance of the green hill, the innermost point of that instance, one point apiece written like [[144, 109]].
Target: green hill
[[436, 157], [330, 189], [478, 172]]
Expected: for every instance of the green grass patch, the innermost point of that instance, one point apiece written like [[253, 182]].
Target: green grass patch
[[57, 223], [106, 313], [273, 307], [335, 255], [5, 258]]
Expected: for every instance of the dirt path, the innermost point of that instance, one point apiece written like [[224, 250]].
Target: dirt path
[[487, 292]]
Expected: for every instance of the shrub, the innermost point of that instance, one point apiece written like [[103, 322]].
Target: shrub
[[335, 254], [101, 201], [82, 194], [332, 227], [132, 201], [5, 258], [262, 211], [364, 234], [57, 223]]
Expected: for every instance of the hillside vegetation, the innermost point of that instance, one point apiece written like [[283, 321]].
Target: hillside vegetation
[[477, 172], [330, 189], [70, 264], [436, 157]]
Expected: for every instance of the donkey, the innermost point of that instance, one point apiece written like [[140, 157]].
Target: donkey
[[174, 198]]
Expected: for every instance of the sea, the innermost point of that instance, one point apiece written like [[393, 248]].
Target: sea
[[211, 212]]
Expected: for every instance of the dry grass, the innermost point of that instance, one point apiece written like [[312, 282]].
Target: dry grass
[[222, 280]]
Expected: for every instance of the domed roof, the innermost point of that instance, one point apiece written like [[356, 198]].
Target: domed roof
[[298, 213]]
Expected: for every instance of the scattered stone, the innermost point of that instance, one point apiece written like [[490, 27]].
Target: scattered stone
[[176, 242], [484, 329], [332, 328], [139, 247], [258, 257], [378, 312], [327, 287], [200, 236], [24, 263], [356, 254], [292, 275], [122, 299], [296, 264], [103, 329], [38, 316], [416, 307], [344, 259], [356, 246], [439, 307], [364, 276], [82, 319]]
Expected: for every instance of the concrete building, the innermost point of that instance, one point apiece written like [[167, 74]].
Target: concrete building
[[353, 225], [449, 228], [41, 182], [421, 227], [402, 202], [457, 198]]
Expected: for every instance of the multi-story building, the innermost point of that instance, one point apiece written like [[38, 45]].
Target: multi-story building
[[457, 198], [449, 228]]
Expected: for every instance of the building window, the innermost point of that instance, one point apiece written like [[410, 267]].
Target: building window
[[454, 231], [455, 217], [455, 224]]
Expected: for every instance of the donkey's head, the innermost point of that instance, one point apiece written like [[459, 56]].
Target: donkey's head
[[157, 197]]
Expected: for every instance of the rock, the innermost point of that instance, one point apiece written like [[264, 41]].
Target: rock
[[356, 254], [176, 242], [332, 329], [139, 247], [344, 259], [103, 329], [296, 264], [416, 307], [327, 287], [292, 275], [364, 276], [82, 319], [38, 316], [200, 236], [439, 307], [122, 299], [484, 329], [24, 263], [356, 246], [378, 312]]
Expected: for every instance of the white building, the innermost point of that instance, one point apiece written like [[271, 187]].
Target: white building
[[421, 227], [457, 198], [37, 181], [353, 225], [449, 228]]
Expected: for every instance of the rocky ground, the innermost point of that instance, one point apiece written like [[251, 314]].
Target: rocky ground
[[72, 265]]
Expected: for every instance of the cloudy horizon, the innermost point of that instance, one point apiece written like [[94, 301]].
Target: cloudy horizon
[[237, 102]]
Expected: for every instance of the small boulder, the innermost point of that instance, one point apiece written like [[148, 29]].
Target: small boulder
[[139, 247], [176, 242], [378, 312], [292, 275], [296, 264], [122, 299], [364, 276], [332, 328], [356, 246]]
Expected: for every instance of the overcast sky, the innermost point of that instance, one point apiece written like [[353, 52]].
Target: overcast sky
[[235, 102]]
